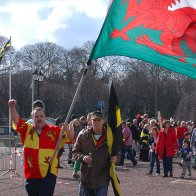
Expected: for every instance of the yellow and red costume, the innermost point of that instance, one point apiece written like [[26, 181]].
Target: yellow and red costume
[[38, 149]]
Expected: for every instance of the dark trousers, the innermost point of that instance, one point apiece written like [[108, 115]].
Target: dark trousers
[[180, 142], [144, 155], [102, 191], [41, 186], [70, 153], [167, 165], [153, 159], [127, 149]]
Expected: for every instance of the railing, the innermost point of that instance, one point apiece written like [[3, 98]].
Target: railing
[[8, 152]]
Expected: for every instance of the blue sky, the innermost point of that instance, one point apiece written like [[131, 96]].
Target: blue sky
[[68, 23]]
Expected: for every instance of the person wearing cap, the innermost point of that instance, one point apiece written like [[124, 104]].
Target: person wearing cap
[[91, 149], [39, 142]]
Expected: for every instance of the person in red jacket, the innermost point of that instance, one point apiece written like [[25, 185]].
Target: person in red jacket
[[180, 131], [166, 146]]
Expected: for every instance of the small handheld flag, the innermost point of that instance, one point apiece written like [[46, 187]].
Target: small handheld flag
[[5, 48]]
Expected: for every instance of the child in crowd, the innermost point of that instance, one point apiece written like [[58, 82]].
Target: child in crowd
[[152, 154], [186, 154], [187, 136]]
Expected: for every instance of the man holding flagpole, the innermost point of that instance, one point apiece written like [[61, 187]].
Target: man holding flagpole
[[39, 142], [97, 148]]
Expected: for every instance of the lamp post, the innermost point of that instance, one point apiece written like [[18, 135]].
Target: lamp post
[[39, 77]]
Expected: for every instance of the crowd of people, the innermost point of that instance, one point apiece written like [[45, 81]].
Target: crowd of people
[[144, 139], [153, 141]]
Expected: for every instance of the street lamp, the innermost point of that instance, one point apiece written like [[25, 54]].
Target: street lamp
[[39, 77]]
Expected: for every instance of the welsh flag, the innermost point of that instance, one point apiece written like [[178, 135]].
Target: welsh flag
[[162, 32]]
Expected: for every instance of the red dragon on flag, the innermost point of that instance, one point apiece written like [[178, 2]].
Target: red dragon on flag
[[165, 16]]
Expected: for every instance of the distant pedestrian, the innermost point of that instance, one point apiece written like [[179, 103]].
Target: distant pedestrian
[[127, 147], [76, 128], [144, 138], [187, 136], [136, 136], [59, 122], [152, 154], [180, 131], [186, 154], [83, 121], [77, 163], [166, 146]]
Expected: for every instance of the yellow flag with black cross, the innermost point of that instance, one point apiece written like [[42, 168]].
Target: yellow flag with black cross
[[5, 48], [114, 136]]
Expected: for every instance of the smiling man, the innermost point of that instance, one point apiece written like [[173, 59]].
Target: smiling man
[[39, 142], [92, 150]]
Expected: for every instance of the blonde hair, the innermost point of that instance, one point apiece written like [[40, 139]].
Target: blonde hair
[[82, 118], [156, 130], [146, 126], [153, 121]]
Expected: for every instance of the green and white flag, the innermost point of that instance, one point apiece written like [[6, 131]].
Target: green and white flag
[[162, 32]]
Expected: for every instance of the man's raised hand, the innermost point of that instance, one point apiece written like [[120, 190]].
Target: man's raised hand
[[12, 103]]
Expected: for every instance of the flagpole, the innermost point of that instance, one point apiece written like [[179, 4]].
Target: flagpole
[[110, 83], [70, 112], [159, 119], [33, 91], [10, 89], [155, 96]]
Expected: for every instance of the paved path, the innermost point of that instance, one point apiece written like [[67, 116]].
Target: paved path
[[134, 182]]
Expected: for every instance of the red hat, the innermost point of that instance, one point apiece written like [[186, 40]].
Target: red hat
[[138, 116]]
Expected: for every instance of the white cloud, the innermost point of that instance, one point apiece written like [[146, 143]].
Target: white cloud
[[28, 22]]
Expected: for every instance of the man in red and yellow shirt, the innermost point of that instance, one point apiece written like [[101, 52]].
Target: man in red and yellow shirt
[[39, 142]]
